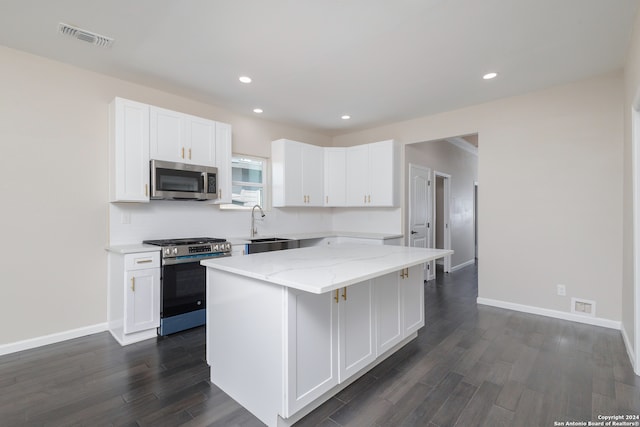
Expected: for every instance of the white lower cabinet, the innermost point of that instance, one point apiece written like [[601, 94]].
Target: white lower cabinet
[[388, 311], [134, 296], [412, 291], [356, 334], [312, 348]]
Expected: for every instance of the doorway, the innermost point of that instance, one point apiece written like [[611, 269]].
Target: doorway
[[635, 159], [442, 216], [421, 212]]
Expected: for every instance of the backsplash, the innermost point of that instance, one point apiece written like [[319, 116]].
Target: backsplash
[[131, 223]]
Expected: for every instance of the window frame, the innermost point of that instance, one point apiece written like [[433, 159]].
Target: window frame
[[265, 185]]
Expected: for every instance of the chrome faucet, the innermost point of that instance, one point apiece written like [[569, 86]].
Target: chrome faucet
[[254, 230]]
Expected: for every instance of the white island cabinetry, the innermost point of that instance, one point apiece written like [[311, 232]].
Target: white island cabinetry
[[310, 319]]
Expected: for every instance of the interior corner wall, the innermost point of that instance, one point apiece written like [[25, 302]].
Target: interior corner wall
[[629, 296], [54, 168], [550, 191]]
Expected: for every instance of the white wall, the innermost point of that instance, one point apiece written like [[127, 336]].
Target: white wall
[[629, 296], [55, 212], [444, 157], [550, 173]]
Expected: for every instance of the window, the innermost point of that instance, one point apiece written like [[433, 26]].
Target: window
[[249, 182]]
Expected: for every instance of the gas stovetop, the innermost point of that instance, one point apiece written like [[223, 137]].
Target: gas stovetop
[[192, 247]]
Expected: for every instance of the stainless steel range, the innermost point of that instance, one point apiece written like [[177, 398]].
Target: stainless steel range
[[183, 280]]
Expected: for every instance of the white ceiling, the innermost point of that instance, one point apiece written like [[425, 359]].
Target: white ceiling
[[314, 60]]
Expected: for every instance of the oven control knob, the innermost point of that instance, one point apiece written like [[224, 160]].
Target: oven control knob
[[175, 251], [167, 251], [227, 246], [215, 247]]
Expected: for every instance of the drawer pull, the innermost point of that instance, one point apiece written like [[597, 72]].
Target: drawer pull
[[143, 261]]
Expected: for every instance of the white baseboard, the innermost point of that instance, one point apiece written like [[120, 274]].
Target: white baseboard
[[596, 321], [630, 352], [51, 339], [463, 265]]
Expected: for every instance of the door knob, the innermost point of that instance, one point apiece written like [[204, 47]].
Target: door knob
[[414, 232]]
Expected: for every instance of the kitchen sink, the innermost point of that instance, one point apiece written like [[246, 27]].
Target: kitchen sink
[[269, 244]]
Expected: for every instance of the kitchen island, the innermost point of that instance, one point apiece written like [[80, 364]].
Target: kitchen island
[[287, 330]]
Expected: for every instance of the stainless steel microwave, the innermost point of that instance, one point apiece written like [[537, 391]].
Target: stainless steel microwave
[[181, 181]]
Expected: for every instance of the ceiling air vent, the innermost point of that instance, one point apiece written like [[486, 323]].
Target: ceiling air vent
[[84, 35]]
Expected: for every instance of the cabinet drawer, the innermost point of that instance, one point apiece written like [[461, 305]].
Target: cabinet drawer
[[142, 260]]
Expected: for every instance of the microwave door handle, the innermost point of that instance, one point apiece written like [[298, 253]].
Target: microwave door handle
[[204, 183]]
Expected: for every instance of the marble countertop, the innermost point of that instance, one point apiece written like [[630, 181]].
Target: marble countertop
[[132, 249], [321, 269]]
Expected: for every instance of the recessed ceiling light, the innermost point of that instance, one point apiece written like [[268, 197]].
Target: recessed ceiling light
[[345, 117], [490, 76], [245, 79], [257, 110]]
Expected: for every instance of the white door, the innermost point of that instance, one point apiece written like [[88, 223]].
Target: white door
[[357, 348], [420, 213]]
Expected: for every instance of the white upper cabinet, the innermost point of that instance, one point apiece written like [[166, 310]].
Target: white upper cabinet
[[297, 174], [372, 174], [141, 132], [223, 162], [335, 176], [128, 151], [178, 137]]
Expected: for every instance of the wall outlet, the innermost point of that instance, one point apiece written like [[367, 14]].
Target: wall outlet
[[561, 290], [583, 307]]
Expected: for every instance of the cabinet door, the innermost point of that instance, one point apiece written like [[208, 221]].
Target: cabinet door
[[200, 142], [381, 174], [167, 135], [142, 300], [357, 175], [357, 339], [388, 310], [412, 300], [223, 162], [335, 177], [130, 151], [286, 173], [312, 175], [312, 347]]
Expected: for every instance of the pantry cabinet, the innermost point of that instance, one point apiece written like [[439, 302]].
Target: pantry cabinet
[[128, 151], [134, 296], [297, 174]]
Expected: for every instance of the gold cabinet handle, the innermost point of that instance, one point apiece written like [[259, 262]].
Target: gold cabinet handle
[[146, 190], [144, 261], [337, 297], [327, 199], [182, 152], [365, 198], [219, 194], [369, 198], [189, 153], [402, 273], [133, 284], [344, 293], [407, 272]]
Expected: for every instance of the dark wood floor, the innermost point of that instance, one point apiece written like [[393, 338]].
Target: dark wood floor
[[471, 365]]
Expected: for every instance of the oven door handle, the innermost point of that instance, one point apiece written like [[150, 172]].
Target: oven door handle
[[192, 258]]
